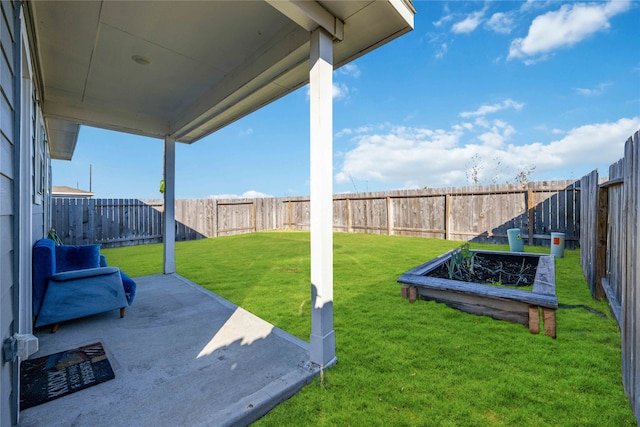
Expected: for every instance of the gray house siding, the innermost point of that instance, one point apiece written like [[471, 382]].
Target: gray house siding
[[25, 188], [9, 92]]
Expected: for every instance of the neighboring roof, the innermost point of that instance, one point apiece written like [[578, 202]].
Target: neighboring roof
[[185, 69], [64, 191]]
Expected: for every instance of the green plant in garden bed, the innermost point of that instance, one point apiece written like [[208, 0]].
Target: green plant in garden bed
[[412, 364], [467, 265], [461, 261]]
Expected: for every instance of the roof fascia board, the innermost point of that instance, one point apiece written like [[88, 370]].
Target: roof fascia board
[[112, 119], [310, 15], [405, 9], [61, 132], [345, 60]]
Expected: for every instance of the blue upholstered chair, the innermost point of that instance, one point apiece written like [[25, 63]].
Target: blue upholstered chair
[[70, 282]]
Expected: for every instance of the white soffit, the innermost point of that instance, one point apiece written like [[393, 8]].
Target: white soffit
[[187, 68]]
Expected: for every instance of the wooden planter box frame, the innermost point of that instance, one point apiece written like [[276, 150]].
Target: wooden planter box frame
[[514, 305]]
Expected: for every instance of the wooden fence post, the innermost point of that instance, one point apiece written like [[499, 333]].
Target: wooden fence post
[[530, 215], [216, 225], [447, 216], [602, 213], [389, 216], [91, 228], [349, 229], [253, 215]]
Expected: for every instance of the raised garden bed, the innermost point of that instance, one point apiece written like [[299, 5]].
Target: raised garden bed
[[525, 306]]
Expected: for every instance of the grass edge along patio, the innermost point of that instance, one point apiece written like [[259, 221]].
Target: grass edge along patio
[[413, 364]]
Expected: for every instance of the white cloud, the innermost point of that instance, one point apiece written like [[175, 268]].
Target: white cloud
[[469, 24], [251, 194], [500, 23], [499, 133], [401, 154], [442, 20], [441, 51], [351, 70], [340, 90], [418, 157], [493, 108], [359, 130], [446, 18], [535, 4], [439, 41], [600, 143], [565, 27], [245, 132], [598, 90]]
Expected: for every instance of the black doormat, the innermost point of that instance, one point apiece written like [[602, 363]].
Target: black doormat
[[50, 377]]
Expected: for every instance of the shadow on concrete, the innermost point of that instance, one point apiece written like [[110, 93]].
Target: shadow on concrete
[[181, 356]]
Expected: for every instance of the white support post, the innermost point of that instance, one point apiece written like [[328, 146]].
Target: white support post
[[323, 341], [169, 232]]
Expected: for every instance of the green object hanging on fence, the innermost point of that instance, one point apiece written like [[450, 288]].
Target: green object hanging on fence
[[162, 186], [54, 236]]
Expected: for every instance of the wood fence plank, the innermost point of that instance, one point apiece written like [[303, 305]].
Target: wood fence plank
[[602, 216], [570, 225], [560, 217], [77, 222]]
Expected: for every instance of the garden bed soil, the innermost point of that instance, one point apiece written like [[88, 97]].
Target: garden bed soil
[[492, 269]]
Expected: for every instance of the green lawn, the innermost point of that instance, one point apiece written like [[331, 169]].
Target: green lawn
[[412, 364]]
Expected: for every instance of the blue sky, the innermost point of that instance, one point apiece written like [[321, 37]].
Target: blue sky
[[546, 87]]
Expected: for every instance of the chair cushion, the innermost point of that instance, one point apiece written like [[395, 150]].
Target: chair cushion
[[70, 257], [83, 273]]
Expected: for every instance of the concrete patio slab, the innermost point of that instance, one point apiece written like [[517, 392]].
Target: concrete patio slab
[[181, 356]]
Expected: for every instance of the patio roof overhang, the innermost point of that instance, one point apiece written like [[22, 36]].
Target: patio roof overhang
[[184, 69]]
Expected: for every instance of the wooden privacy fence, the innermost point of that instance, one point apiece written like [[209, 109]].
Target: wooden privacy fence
[[610, 257], [110, 222], [480, 213]]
